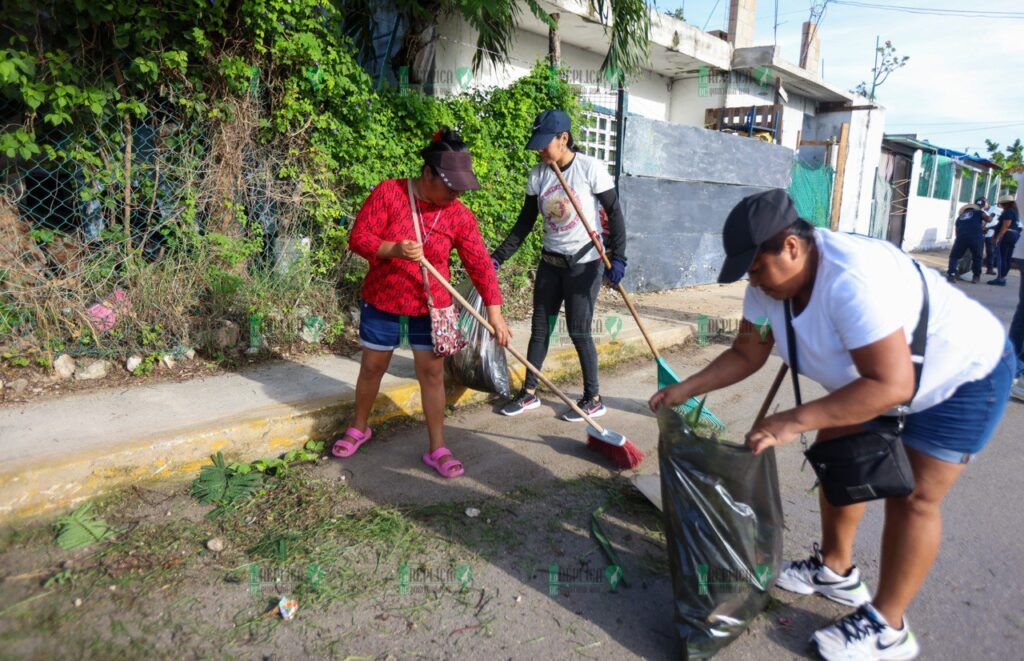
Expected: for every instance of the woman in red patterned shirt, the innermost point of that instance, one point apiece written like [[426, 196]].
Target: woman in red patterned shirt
[[384, 234]]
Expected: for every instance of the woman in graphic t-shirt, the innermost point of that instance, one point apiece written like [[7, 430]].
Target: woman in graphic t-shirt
[[571, 268], [857, 302], [383, 233]]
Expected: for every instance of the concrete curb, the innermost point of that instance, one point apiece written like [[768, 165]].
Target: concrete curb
[[36, 488]]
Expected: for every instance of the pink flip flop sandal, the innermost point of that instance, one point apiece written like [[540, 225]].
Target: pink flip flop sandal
[[449, 469], [347, 445]]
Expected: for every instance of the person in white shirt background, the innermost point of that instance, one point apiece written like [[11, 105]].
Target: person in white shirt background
[[857, 300], [991, 251]]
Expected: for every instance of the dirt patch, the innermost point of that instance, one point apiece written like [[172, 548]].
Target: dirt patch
[[521, 578]]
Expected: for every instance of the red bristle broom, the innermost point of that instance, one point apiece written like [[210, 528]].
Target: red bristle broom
[[611, 444]]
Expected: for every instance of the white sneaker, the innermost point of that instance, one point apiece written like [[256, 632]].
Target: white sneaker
[[1017, 389], [864, 634], [811, 575]]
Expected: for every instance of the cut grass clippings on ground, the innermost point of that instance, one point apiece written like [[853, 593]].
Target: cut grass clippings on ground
[[316, 541]]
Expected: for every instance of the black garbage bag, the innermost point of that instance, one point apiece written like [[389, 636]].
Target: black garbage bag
[[723, 523], [481, 364]]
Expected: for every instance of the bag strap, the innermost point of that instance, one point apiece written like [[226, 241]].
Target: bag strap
[[918, 343], [794, 368], [419, 239]]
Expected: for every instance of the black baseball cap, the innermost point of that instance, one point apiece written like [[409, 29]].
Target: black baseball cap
[[753, 221], [546, 126]]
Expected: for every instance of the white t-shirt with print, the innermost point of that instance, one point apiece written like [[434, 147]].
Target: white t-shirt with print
[[993, 223], [563, 231], [864, 290]]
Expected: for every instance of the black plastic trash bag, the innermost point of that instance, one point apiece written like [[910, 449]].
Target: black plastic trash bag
[[481, 364], [723, 524]]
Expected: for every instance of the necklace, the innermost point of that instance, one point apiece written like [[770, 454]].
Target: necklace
[[437, 216]]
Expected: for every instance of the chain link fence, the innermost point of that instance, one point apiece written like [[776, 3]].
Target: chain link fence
[[153, 234]]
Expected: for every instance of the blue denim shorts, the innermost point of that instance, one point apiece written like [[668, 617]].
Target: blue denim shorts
[[383, 331], [956, 429]]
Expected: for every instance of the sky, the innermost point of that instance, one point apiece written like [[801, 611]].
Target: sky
[[964, 81]]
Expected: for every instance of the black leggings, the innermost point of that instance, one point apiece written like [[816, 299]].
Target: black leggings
[[578, 286]]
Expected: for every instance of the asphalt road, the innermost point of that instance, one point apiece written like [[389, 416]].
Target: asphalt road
[[970, 607]]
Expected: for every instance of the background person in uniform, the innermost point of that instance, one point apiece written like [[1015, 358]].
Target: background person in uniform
[[1017, 324], [970, 232], [1006, 237]]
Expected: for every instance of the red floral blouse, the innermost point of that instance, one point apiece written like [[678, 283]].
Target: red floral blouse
[[396, 285]]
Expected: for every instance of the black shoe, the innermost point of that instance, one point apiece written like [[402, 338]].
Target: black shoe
[[998, 281], [976, 279], [524, 401], [592, 407], [950, 277]]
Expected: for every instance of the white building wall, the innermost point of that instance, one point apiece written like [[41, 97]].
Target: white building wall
[[863, 151], [690, 100], [866, 131], [648, 96], [927, 218]]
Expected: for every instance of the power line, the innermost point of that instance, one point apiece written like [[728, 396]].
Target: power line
[[710, 14], [817, 14], [978, 128], [776, 42], [932, 11], [957, 123]]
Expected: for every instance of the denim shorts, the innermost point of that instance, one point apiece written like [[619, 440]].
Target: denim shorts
[[956, 429], [382, 331]]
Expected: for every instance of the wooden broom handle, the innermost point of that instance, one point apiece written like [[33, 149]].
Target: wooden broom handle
[[476, 315], [604, 256], [771, 393]]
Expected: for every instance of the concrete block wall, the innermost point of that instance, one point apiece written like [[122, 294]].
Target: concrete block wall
[[679, 183]]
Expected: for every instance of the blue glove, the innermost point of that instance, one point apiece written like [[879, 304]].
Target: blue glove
[[615, 273], [497, 264]]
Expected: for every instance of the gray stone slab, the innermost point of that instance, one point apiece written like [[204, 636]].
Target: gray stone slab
[[664, 150], [674, 230]]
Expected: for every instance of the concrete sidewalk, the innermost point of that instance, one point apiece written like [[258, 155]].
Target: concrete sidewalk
[[59, 452]]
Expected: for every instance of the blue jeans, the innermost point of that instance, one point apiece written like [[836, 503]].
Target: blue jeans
[[991, 254], [382, 331], [961, 245], [1017, 325], [1006, 245], [958, 428]]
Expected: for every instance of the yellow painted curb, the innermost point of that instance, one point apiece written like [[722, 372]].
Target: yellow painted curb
[[44, 486]]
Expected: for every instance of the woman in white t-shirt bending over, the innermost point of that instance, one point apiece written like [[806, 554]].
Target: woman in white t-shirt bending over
[[856, 303]]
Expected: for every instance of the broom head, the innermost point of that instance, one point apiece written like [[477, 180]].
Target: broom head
[[615, 446]]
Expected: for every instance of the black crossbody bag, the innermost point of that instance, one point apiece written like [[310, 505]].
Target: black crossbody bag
[[871, 464]]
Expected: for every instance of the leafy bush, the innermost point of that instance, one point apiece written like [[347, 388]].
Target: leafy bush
[[188, 141]]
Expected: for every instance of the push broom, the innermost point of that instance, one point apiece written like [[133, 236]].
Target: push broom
[[611, 444], [666, 376]]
